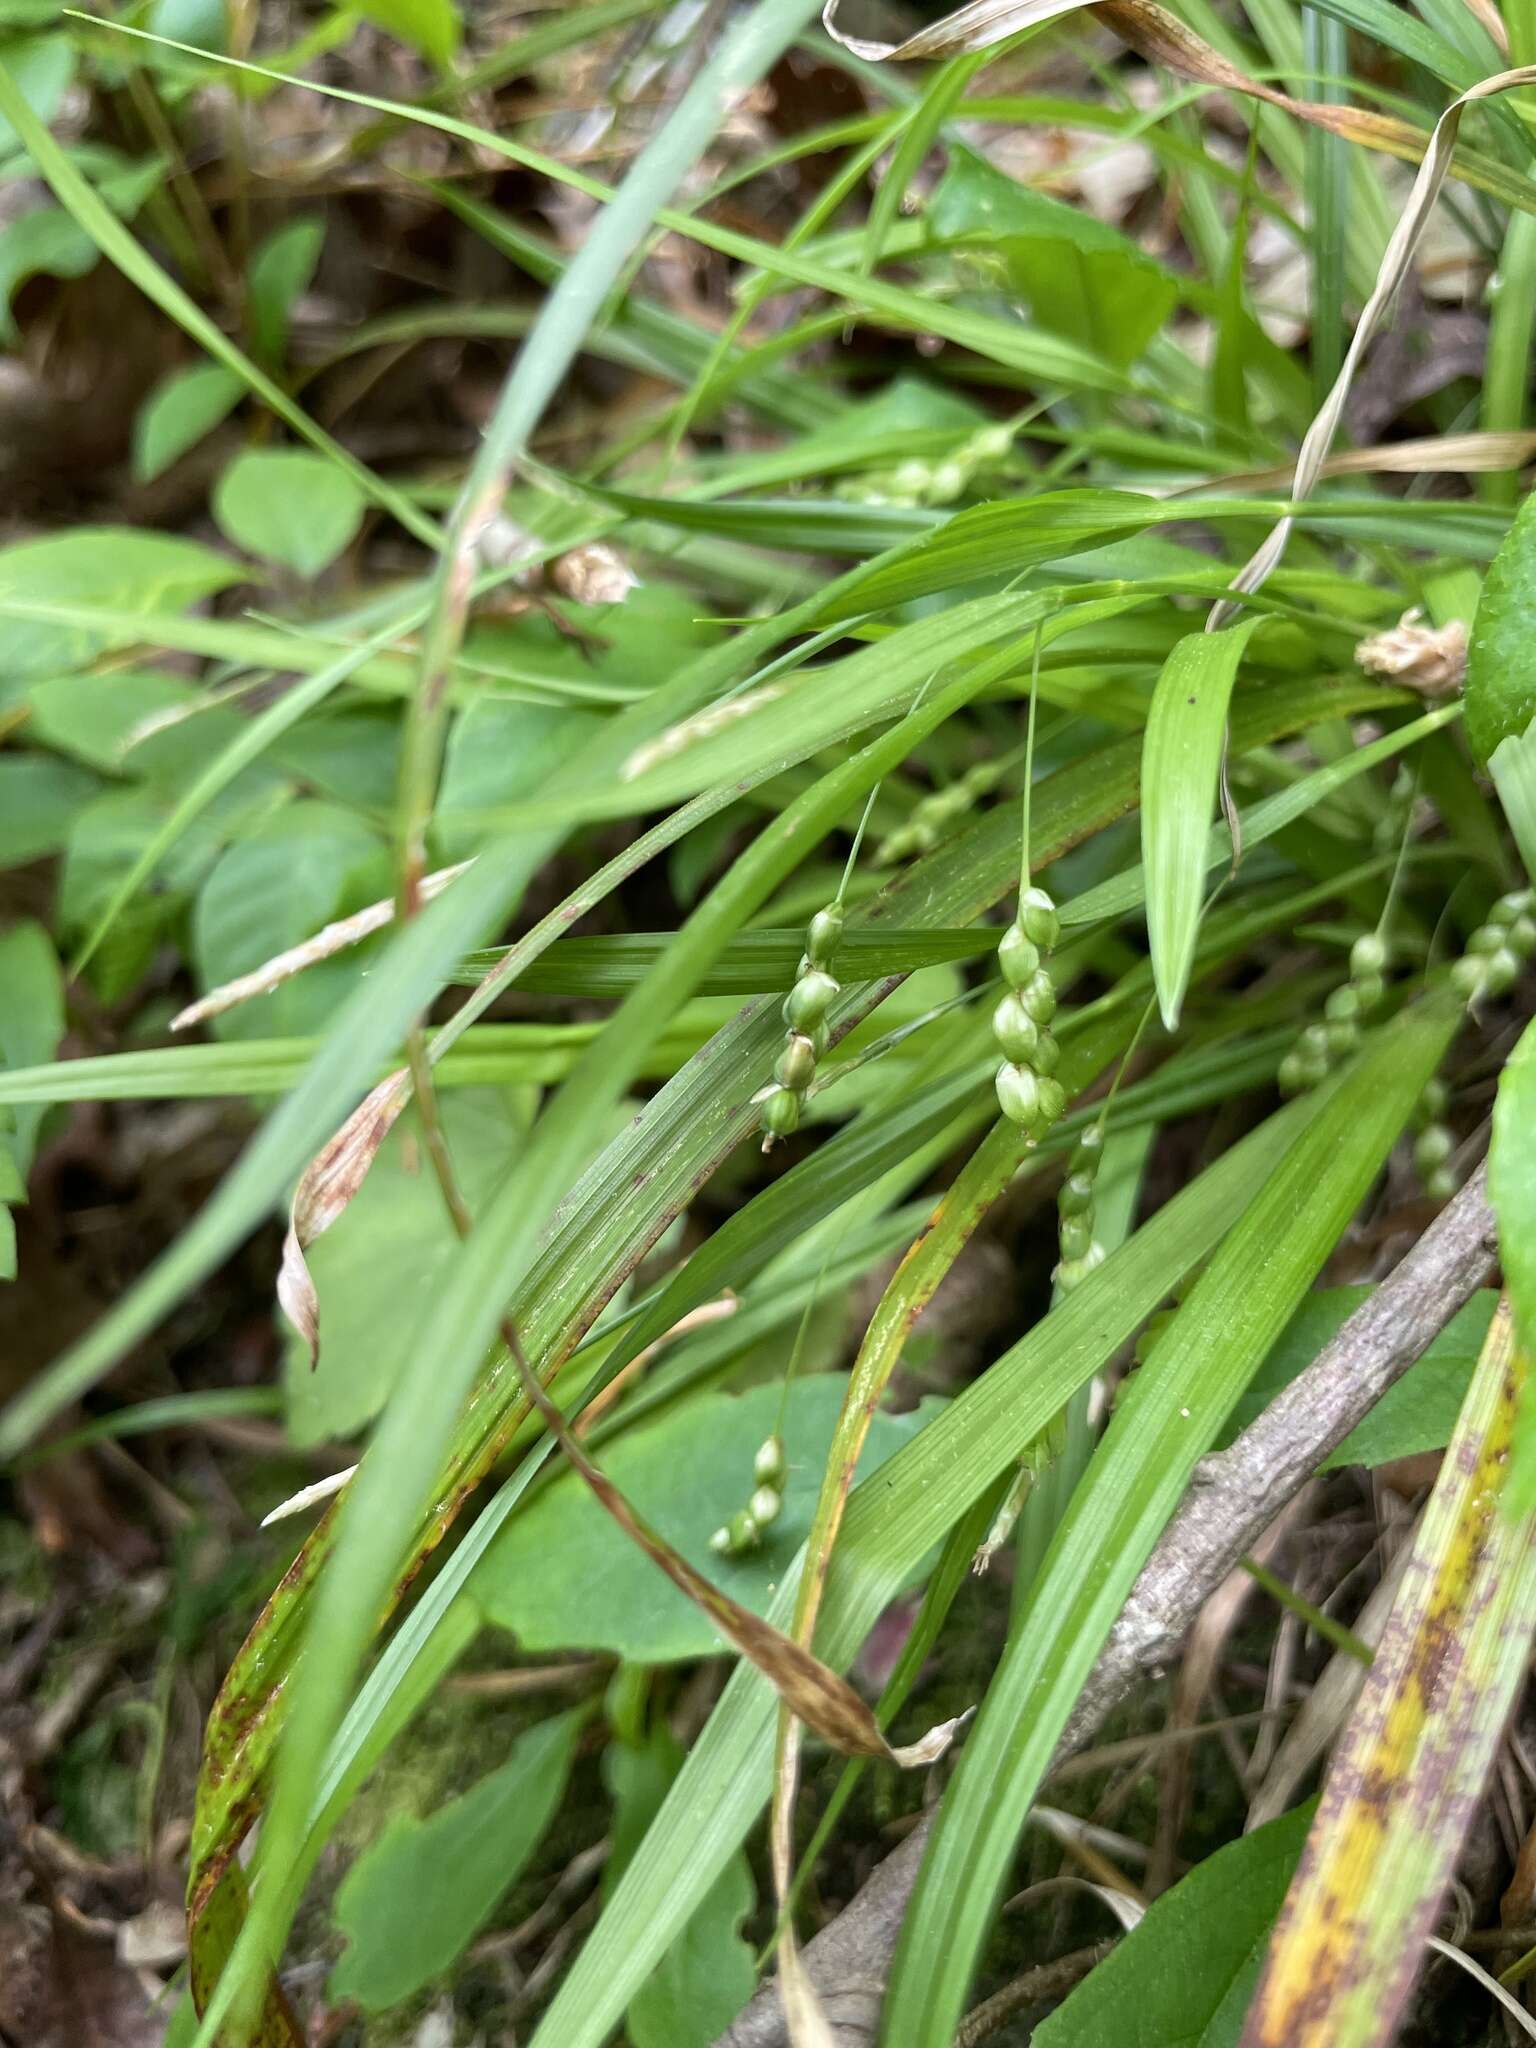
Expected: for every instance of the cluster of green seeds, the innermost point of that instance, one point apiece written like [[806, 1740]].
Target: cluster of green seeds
[[931, 819], [744, 1531], [1028, 1093], [916, 482], [1435, 1142], [1320, 1045], [805, 1015], [1080, 1249], [1498, 949]]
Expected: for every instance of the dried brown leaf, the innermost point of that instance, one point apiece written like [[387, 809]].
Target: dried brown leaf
[[820, 1698]]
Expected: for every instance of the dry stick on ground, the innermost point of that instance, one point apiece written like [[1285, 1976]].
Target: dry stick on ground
[[1234, 1497]]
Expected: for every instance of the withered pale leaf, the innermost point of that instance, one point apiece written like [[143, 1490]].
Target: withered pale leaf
[[325, 1188]]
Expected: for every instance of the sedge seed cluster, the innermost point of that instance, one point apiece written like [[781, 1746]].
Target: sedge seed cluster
[[932, 819], [916, 482], [1028, 1093], [805, 1016], [744, 1531], [1498, 949], [1320, 1045], [1080, 1249], [1435, 1142]]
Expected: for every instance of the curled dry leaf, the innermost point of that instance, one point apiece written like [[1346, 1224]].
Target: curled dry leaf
[[327, 1185], [1430, 659], [816, 1694], [592, 574]]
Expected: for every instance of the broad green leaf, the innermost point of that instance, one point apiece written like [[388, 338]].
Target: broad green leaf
[[1180, 769], [1079, 277], [310, 863], [562, 1576], [179, 412], [1501, 652], [1173, 1409], [1183, 1976], [287, 506], [47, 241], [1512, 1193], [42, 67], [415, 1899], [132, 571], [1417, 1414], [1513, 768], [395, 1224], [280, 271], [431, 26], [39, 802]]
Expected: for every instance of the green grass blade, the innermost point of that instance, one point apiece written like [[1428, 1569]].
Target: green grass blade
[[1180, 768], [1177, 1405]]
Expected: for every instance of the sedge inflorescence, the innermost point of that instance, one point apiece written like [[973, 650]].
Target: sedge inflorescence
[[805, 1016], [1028, 1093], [744, 1530]]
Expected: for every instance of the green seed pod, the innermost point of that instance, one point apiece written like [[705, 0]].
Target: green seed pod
[[1488, 938], [1038, 919], [795, 1067], [1467, 976], [1521, 937], [1440, 1185], [980, 780], [1502, 973], [781, 1113], [1038, 996], [1314, 1069], [914, 477], [1047, 1054], [1076, 1237], [720, 1542], [1370, 988], [742, 1533], [1432, 1148], [1053, 1102], [1518, 903], [1368, 955], [1292, 1076], [1434, 1099], [1076, 1196], [809, 1000], [1313, 1043], [948, 481], [1018, 1095], [1015, 1030], [1343, 1005], [1017, 956], [768, 1466], [824, 936], [1088, 1151], [1343, 1037], [764, 1507], [1073, 1272]]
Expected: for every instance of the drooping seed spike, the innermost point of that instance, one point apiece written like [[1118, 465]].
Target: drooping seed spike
[[809, 1000], [824, 936], [1038, 919], [1368, 955], [764, 1506], [1017, 1033], [781, 1113], [1018, 957], [768, 1466], [1038, 997], [795, 1068], [1018, 1095]]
